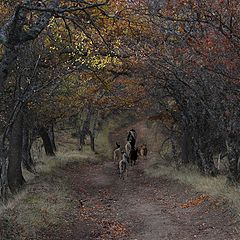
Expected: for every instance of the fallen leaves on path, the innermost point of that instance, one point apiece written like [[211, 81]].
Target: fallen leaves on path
[[195, 202], [99, 214]]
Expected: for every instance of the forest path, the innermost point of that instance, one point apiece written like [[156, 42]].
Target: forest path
[[139, 207]]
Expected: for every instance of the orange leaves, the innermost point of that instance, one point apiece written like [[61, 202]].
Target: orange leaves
[[195, 202], [96, 214]]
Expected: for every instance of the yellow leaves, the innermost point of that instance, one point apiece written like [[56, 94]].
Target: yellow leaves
[[5, 11], [82, 49]]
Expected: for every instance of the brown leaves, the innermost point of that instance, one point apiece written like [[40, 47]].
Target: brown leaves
[[101, 215], [195, 202]]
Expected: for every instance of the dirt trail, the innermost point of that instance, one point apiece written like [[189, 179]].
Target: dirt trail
[[139, 207]]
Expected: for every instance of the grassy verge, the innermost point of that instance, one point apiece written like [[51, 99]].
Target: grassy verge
[[215, 187], [46, 201], [161, 165], [39, 207]]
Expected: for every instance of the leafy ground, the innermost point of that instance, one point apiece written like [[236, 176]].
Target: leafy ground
[[140, 208], [101, 206]]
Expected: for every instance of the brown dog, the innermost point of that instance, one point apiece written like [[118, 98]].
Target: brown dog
[[143, 150]]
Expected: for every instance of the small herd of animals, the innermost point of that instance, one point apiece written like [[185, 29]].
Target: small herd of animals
[[130, 155]]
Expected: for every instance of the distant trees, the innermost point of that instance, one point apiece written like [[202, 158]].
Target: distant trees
[[193, 63]]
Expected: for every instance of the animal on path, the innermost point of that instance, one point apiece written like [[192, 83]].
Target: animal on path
[[133, 155], [128, 148], [117, 153], [142, 150], [123, 166], [131, 138]]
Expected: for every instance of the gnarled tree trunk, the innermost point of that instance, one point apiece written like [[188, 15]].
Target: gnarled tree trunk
[[15, 177]]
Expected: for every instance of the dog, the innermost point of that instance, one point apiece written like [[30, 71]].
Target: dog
[[131, 138], [133, 155], [128, 148], [142, 150], [123, 165], [117, 153]]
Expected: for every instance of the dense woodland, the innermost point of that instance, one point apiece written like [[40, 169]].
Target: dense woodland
[[82, 61]]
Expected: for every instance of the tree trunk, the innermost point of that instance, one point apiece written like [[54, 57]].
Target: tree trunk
[[3, 176], [92, 140], [174, 154], [207, 163], [82, 136], [52, 137], [7, 60], [46, 141], [85, 129], [212, 169], [233, 158], [15, 177], [233, 166], [26, 153], [186, 148]]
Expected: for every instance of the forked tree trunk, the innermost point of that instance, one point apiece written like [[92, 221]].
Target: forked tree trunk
[[15, 177], [47, 144]]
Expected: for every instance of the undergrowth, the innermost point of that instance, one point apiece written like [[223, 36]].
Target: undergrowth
[[46, 201]]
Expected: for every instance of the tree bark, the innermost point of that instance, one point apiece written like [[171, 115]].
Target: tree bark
[[52, 137], [85, 129], [15, 177], [186, 152], [92, 141], [3, 176], [82, 136], [46, 141], [12, 36], [26, 153], [9, 57], [233, 158]]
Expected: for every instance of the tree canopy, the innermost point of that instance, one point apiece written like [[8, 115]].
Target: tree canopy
[[175, 60]]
